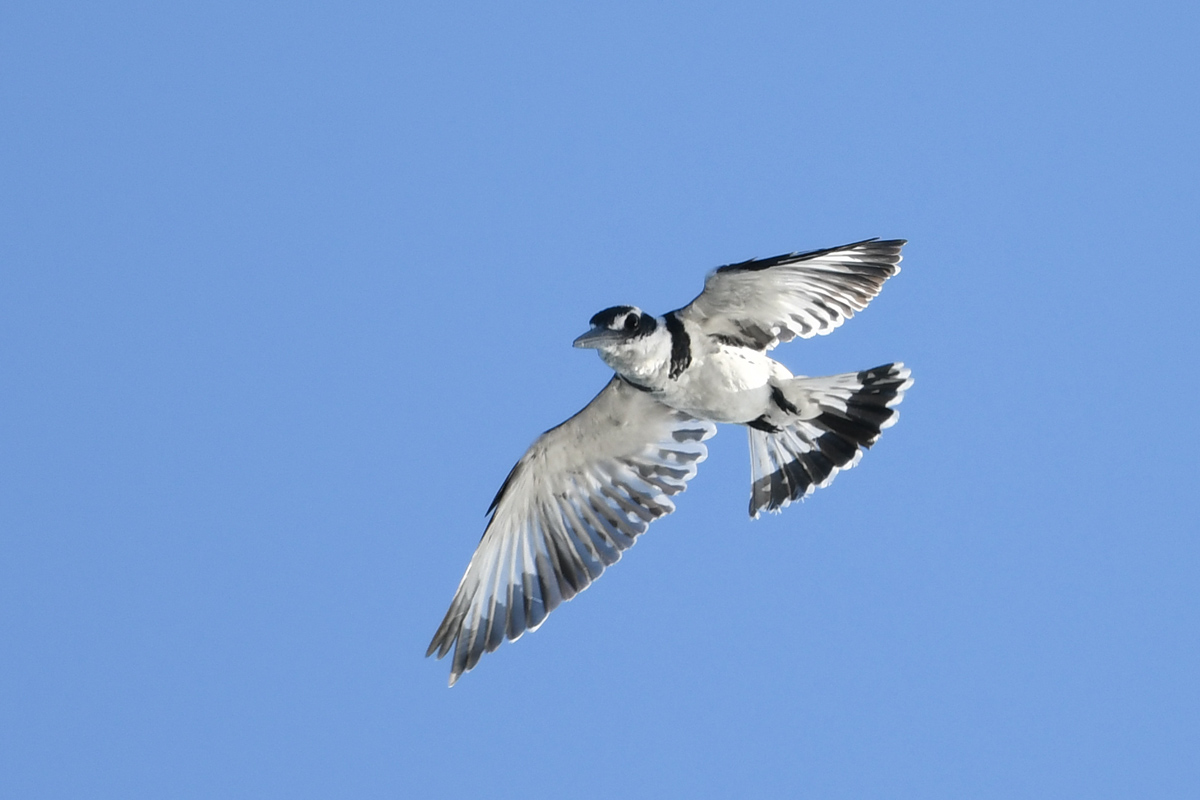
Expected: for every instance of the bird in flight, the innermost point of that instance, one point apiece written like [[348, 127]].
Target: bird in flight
[[585, 490]]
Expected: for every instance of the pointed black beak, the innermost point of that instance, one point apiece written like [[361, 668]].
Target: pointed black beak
[[599, 337]]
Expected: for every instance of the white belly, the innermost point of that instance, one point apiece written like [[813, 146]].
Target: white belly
[[729, 384]]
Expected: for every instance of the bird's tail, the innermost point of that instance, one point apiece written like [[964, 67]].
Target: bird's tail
[[829, 420]]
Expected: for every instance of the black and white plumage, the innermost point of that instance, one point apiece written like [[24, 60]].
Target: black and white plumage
[[585, 490]]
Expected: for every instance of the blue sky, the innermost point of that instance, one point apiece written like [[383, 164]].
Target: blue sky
[[287, 288]]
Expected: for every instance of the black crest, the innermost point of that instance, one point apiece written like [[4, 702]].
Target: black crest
[[630, 319]]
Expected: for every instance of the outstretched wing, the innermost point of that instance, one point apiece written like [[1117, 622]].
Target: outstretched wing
[[581, 494], [764, 302]]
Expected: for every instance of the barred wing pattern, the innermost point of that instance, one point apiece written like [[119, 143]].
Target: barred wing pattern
[[580, 495], [763, 302]]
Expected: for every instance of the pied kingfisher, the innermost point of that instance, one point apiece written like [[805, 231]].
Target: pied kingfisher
[[585, 490]]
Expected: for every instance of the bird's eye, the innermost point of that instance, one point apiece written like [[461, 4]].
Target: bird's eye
[[631, 322]]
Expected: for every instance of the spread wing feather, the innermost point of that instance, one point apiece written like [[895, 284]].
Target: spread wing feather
[[763, 302], [580, 495]]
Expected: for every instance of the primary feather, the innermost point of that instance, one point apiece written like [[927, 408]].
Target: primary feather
[[760, 303], [580, 496]]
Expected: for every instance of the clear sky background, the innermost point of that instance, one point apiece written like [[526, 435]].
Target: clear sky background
[[287, 288]]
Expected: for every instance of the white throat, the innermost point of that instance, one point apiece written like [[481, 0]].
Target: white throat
[[645, 360]]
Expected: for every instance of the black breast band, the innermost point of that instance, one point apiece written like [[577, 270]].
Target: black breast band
[[681, 345]]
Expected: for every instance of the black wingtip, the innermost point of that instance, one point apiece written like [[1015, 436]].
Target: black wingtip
[[755, 264]]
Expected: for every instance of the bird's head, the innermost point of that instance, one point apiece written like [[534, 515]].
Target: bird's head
[[630, 341], [617, 327]]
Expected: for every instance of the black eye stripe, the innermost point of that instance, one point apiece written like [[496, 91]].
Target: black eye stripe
[[629, 320], [609, 316]]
